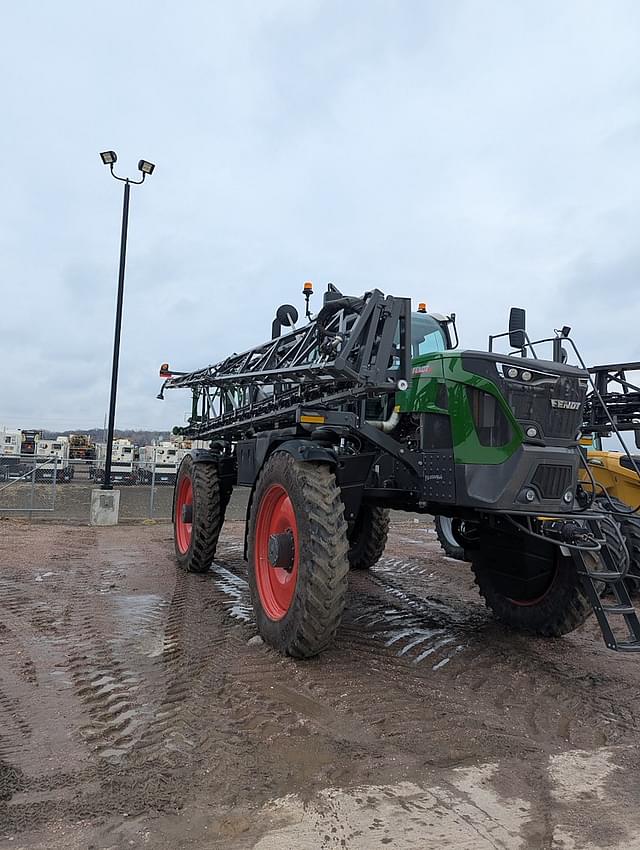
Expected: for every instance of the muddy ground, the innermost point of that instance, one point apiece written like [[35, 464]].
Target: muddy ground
[[136, 710]]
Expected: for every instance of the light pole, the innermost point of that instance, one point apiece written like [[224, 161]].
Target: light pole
[[109, 158]]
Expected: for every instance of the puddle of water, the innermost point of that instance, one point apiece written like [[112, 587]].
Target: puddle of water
[[392, 626], [43, 576], [237, 589], [139, 622]]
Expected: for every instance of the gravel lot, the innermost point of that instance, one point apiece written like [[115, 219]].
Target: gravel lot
[[138, 710]]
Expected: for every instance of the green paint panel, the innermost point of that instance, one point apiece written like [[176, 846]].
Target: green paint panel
[[430, 371]]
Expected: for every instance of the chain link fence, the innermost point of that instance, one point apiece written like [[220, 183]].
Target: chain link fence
[[60, 488]]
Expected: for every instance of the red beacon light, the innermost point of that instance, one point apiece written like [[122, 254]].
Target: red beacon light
[[165, 372]]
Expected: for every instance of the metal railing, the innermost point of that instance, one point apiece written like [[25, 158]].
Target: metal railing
[[59, 488]]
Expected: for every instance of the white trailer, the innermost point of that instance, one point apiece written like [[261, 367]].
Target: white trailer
[[164, 458], [10, 447], [51, 457], [123, 470]]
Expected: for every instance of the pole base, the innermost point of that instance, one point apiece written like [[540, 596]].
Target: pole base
[[105, 507]]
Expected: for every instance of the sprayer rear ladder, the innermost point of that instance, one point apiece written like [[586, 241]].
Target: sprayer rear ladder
[[613, 580]]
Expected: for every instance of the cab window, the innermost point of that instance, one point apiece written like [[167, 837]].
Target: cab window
[[427, 336]]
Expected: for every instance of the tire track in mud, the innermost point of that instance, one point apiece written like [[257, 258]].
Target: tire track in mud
[[91, 652], [416, 627], [559, 706], [379, 632], [171, 702], [41, 761], [411, 630], [206, 666], [108, 691], [384, 628], [210, 673], [551, 687]]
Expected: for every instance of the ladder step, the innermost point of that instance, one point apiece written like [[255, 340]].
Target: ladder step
[[629, 646], [602, 575], [619, 609]]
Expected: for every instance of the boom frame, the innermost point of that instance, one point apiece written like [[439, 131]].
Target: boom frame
[[353, 348]]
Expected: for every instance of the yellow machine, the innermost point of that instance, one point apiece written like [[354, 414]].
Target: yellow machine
[[613, 407], [614, 472]]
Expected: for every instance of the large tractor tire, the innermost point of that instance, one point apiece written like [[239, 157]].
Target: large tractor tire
[[554, 602], [368, 537], [297, 548], [445, 531], [630, 528], [198, 515]]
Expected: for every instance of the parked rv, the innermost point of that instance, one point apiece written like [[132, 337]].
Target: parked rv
[[165, 458], [52, 458], [10, 447], [123, 470]]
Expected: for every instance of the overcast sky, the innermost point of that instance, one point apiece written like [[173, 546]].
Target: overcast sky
[[473, 155]]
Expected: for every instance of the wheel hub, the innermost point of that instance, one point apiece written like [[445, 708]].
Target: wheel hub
[[281, 550]]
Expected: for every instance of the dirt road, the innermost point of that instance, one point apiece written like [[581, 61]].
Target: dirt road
[[138, 710]]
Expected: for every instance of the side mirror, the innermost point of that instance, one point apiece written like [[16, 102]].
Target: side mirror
[[517, 327]]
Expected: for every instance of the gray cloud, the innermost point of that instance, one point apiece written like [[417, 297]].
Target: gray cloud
[[473, 155]]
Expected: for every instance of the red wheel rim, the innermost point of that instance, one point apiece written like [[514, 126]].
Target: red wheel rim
[[183, 528], [276, 586]]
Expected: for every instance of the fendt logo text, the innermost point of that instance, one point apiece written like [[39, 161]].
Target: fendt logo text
[[565, 405]]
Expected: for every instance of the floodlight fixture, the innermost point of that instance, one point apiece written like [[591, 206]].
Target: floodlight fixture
[[108, 157], [146, 167]]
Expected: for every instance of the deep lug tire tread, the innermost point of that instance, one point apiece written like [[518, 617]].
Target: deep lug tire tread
[[562, 610], [369, 537], [320, 595], [450, 549], [208, 515]]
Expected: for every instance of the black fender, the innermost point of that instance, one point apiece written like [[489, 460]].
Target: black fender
[[308, 450], [204, 456], [304, 450]]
